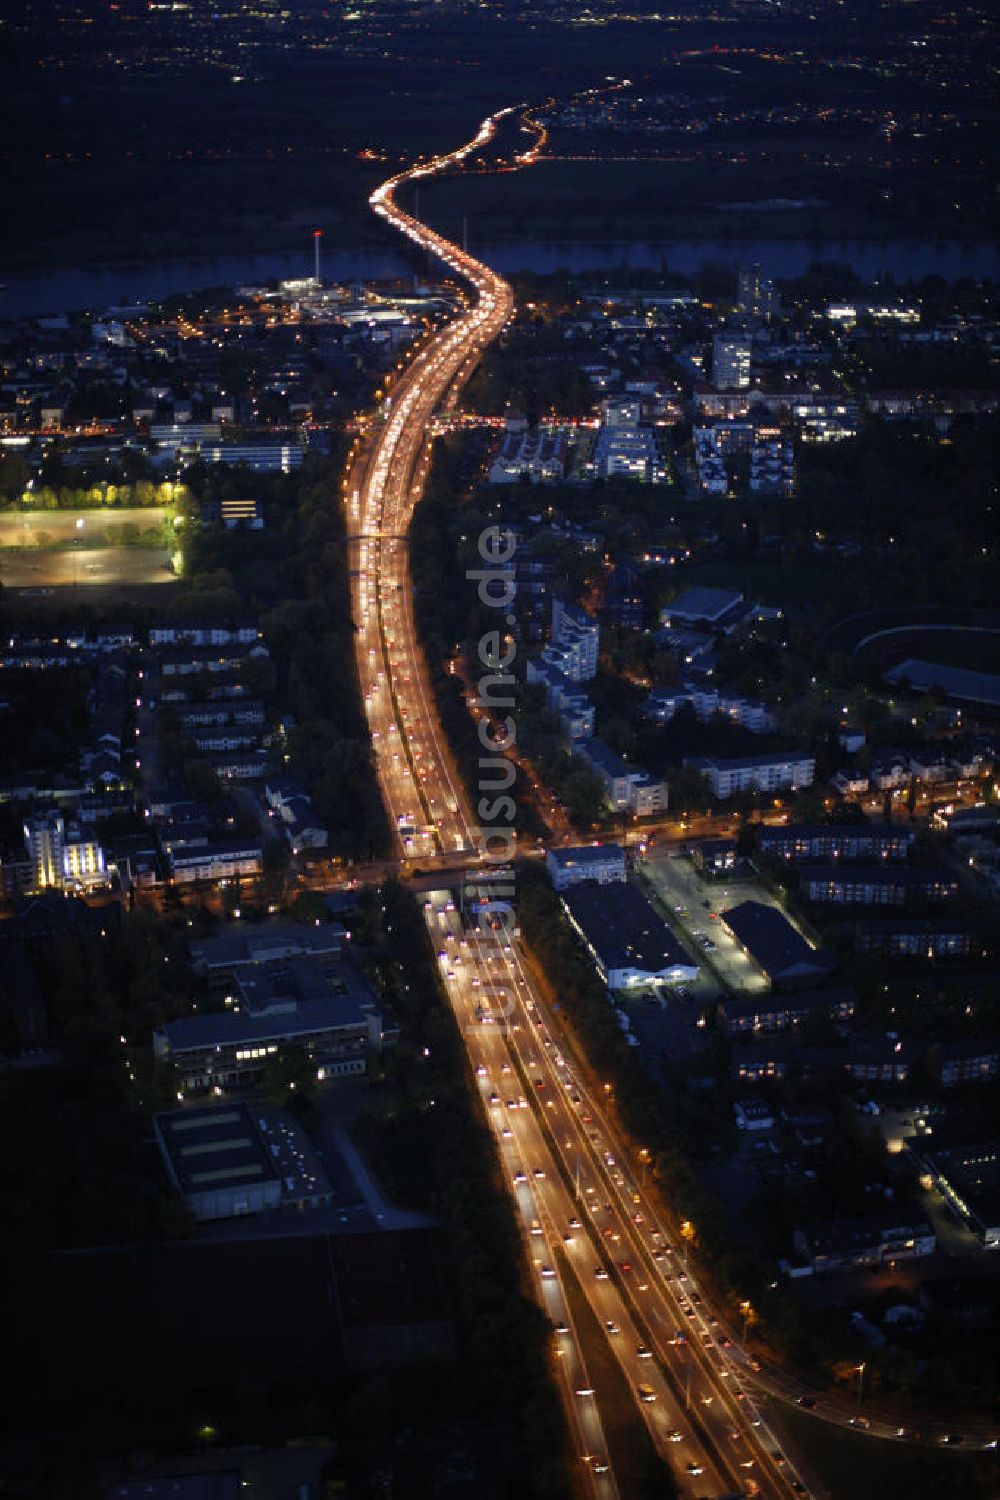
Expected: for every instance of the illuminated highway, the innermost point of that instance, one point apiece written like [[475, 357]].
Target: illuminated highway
[[575, 1200], [422, 792]]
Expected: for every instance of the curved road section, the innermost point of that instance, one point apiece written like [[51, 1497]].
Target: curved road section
[[423, 794]]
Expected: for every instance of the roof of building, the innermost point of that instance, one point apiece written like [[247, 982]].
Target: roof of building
[[282, 1001], [790, 832], [220, 1484], [703, 604], [842, 1236], [973, 1174], [969, 1049], [624, 928], [587, 854], [601, 755], [772, 942], [242, 944], [837, 998], [213, 1148], [885, 874], [748, 762], [226, 848]]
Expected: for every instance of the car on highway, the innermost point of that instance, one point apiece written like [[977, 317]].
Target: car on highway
[[643, 1353], [675, 1436], [600, 1273], [612, 1326], [645, 1393]]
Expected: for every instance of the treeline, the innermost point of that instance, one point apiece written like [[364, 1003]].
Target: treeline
[[294, 578], [424, 1132], [82, 1171]]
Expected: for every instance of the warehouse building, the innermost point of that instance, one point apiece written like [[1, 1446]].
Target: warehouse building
[[217, 1161], [628, 940], [775, 946]]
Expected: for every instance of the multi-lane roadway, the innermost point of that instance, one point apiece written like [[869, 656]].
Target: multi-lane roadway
[[582, 1213]]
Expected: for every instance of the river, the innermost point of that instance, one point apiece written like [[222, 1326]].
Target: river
[[54, 292]]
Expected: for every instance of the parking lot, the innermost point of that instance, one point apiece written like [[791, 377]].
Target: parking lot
[[693, 907]]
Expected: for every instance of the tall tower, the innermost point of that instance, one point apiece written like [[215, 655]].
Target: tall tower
[[317, 245]]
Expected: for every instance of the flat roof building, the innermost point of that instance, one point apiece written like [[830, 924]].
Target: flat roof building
[[217, 1160], [907, 938], [781, 770], [627, 938], [781, 952], [759, 1013], [842, 1244], [875, 885], [972, 1060], [604, 863], [328, 1010], [699, 603], [240, 946], [968, 1177], [836, 841]]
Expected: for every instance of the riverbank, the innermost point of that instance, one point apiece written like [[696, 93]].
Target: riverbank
[[65, 290]]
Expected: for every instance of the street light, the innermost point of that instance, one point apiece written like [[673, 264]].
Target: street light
[[861, 1382], [747, 1310]]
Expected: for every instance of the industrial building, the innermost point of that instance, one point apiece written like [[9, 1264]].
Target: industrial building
[[234, 1159], [768, 938], [628, 940]]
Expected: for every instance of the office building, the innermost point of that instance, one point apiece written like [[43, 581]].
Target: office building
[[264, 457], [326, 1009], [971, 1061], [968, 1178]]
